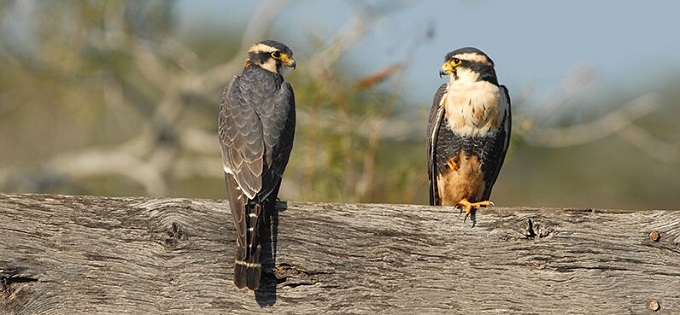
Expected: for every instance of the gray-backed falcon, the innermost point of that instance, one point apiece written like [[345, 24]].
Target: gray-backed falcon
[[468, 132], [256, 126]]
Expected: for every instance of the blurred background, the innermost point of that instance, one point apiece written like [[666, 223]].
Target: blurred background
[[120, 98]]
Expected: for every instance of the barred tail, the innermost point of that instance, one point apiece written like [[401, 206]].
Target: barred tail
[[247, 217], [247, 265]]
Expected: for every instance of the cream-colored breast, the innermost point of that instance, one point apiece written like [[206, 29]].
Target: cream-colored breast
[[474, 108]]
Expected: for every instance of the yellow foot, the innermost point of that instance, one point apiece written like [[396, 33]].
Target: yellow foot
[[468, 206]]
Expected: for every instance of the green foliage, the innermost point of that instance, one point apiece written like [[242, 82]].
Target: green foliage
[[338, 139]]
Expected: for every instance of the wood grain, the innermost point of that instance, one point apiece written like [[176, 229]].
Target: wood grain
[[85, 255]]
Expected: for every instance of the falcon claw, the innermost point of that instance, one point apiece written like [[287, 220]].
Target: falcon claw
[[473, 218], [470, 209]]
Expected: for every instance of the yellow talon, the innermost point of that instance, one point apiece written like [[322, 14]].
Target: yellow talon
[[470, 205]]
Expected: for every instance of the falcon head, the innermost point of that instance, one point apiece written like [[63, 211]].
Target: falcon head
[[270, 55], [469, 65]]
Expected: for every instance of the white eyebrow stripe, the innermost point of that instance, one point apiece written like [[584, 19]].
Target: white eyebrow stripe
[[259, 47]]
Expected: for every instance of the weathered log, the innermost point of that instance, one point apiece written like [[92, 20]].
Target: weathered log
[[87, 255]]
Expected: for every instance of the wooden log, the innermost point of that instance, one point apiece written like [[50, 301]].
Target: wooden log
[[100, 255]]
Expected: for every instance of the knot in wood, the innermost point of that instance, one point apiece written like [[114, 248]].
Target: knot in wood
[[174, 235]]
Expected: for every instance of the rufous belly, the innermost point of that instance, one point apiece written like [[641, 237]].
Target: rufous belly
[[462, 178]]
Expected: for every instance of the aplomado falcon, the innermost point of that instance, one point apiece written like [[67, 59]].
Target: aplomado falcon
[[256, 126], [468, 132]]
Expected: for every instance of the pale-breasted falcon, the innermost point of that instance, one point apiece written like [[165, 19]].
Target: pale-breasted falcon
[[256, 127], [468, 132]]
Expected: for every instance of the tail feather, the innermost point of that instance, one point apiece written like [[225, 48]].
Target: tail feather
[[247, 273], [247, 216], [247, 264]]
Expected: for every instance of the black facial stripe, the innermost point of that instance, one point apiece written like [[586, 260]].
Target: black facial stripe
[[260, 57], [486, 72]]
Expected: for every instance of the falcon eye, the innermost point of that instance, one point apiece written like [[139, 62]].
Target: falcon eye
[[456, 61], [276, 54]]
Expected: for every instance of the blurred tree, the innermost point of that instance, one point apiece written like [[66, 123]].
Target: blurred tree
[[141, 106], [102, 97], [113, 76]]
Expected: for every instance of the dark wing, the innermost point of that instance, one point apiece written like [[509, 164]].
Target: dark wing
[[240, 132], [278, 132], [495, 149], [433, 128], [240, 135]]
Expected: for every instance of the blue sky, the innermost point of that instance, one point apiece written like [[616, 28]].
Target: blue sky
[[532, 42]]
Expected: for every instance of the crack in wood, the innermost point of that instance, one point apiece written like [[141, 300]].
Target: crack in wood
[[8, 281], [530, 230], [293, 276], [534, 230]]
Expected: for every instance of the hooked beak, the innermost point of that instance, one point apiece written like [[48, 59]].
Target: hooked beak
[[289, 62], [446, 69]]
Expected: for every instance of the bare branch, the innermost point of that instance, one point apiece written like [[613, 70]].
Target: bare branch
[[591, 131], [653, 146], [572, 86], [98, 162]]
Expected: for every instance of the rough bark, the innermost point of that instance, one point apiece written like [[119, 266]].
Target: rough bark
[[85, 255]]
